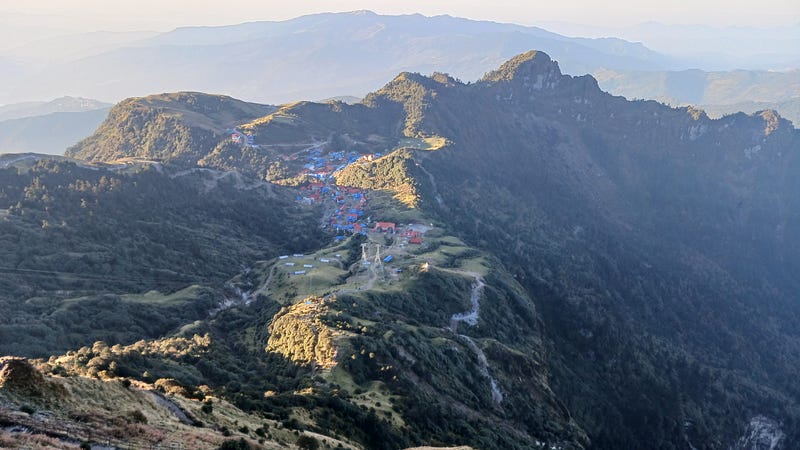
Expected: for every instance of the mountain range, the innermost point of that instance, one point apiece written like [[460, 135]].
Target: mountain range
[[586, 272], [326, 55], [66, 121], [714, 48]]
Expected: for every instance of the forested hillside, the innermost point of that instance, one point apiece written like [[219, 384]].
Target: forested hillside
[[75, 240]]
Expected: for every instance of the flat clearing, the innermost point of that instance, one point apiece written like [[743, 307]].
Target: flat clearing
[[428, 143]]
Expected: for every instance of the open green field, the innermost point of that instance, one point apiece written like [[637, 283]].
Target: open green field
[[428, 143], [327, 275]]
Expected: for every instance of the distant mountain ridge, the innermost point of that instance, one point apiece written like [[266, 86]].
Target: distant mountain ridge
[[724, 92], [359, 51], [268, 62], [712, 48], [62, 104], [63, 129], [49, 127]]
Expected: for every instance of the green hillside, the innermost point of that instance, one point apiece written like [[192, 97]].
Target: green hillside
[[165, 127], [73, 240]]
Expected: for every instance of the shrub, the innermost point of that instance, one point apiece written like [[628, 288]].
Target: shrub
[[137, 416], [241, 444], [307, 442]]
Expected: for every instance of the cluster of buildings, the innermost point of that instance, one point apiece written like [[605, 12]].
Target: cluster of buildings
[[298, 260], [322, 167], [410, 234], [414, 237], [348, 215], [238, 137], [350, 203]]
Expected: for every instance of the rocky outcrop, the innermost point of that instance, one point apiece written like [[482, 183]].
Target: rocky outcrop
[[18, 376], [298, 334]]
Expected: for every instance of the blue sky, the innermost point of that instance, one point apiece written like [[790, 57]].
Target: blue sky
[[89, 15]]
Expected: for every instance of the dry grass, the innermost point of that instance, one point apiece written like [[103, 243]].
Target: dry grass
[[429, 143]]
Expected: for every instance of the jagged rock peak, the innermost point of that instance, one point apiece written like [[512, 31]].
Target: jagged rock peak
[[529, 64]]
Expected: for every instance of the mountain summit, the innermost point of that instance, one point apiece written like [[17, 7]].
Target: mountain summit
[[530, 64]]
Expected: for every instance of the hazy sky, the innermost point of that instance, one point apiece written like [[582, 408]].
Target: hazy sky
[[88, 15]]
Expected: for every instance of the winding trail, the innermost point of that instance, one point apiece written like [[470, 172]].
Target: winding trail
[[437, 196], [265, 286], [483, 368], [173, 408], [471, 318]]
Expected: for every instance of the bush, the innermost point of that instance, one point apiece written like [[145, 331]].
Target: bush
[[307, 442], [137, 416], [241, 444]]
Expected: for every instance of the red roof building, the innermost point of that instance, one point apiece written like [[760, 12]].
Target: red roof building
[[415, 240], [385, 226]]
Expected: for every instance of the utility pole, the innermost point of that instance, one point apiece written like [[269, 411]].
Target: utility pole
[[378, 255]]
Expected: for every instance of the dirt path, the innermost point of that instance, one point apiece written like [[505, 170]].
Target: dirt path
[[265, 286], [483, 368], [373, 277], [471, 317], [176, 411], [217, 176], [438, 197], [7, 163]]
